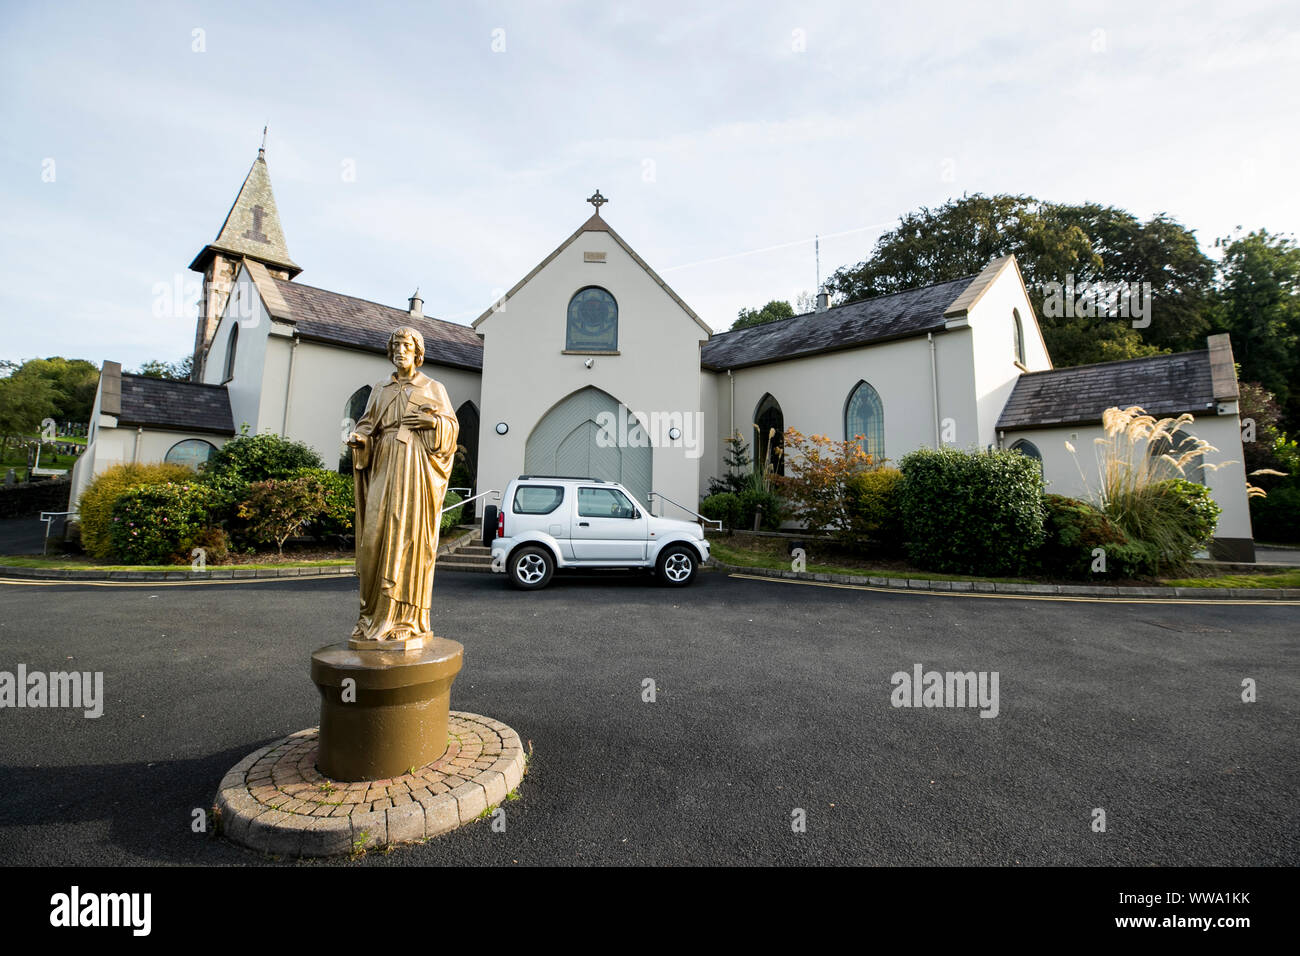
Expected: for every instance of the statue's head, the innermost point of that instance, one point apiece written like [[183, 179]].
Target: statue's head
[[405, 333]]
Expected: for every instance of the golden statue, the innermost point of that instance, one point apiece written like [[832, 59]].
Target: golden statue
[[402, 451]]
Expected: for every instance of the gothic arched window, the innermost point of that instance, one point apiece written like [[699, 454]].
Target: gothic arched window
[[1030, 450], [1020, 336], [865, 415], [593, 322], [230, 354], [769, 435], [353, 409]]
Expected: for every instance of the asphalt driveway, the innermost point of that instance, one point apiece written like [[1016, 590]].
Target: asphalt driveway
[[770, 697]]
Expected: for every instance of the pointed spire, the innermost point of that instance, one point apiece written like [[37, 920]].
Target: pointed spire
[[252, 227]]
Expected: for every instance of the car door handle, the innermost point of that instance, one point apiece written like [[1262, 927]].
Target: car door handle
[[584, 524]]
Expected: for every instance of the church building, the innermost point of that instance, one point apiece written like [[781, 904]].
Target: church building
[[591, 365]]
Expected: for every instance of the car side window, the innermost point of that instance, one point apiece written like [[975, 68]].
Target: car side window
[[537, 499], [604, 503]]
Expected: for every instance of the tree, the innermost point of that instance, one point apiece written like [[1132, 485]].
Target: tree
[[1051, 242], [26, 399], [774, 311], [172, 371], [1259, 306], [74, 382]]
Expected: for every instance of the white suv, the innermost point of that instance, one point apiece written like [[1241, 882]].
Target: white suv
[[547, 522]]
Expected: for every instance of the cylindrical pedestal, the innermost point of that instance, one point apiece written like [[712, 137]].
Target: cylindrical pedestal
[[383, 712]]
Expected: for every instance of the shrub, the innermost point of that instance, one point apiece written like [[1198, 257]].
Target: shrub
[[450, 518], [754, 498], [739, 466], [253, 458], [96, 505], [339, 494], [1277, 516], [276, 509], [1073, 529], [215, 544], [972, 512], [1200, 512], [873, 503], [723, 506], [1144, 493], [159, 524], [817, 469]]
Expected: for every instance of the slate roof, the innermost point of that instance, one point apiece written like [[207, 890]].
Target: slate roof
[[252, 227], [901, 314], [184, 406], [344, 320], [1163, 385]]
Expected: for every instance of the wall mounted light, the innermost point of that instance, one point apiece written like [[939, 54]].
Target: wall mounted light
[[502, 428], [674, 433]]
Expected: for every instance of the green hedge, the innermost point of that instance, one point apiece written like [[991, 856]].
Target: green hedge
[[98, 500], [874, 508], [972, 512], [160, 524]]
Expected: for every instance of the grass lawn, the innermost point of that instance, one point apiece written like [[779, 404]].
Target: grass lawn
[[822, 559], [729, 551], [1275, 579]]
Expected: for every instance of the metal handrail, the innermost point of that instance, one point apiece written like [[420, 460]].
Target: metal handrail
[[704, 520], [48, 518], [465, 501]]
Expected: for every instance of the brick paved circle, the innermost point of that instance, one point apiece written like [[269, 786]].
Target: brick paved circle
[[277, 802]]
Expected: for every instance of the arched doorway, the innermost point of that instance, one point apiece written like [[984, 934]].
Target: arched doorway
[[465, 472], [589, 435]]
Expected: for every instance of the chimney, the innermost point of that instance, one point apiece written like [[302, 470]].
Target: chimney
[[823, 301], [417, 305]]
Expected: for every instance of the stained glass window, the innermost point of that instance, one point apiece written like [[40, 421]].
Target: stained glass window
[[864, 415], [593, 322]]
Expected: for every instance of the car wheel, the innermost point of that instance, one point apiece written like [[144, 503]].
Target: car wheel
[[676, 566], [489, 525], [531, 568]]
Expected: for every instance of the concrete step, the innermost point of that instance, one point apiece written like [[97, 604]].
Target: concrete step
[[473, 549], [454, 565]]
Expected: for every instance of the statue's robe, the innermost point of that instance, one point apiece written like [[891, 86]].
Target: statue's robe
[[401, 476]]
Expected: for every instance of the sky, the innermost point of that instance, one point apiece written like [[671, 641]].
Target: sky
[[452, 146]]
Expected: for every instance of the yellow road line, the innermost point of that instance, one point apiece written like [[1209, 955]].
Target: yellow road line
[[1019, 597]]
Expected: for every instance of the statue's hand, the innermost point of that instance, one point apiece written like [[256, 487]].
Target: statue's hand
[[356, 440], [424, 418]]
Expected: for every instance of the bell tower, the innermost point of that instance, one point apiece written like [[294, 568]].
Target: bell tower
[[251, 230]]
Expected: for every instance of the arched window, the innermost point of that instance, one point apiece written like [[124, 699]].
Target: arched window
[[593, 322], [1182, 442], [353, 409], [230, 354], [769, 435], [1029, 449], [192, 452], [1019, 333], [864, 415]]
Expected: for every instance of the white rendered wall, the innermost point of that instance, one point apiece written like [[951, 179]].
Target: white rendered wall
[[992, 326]]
